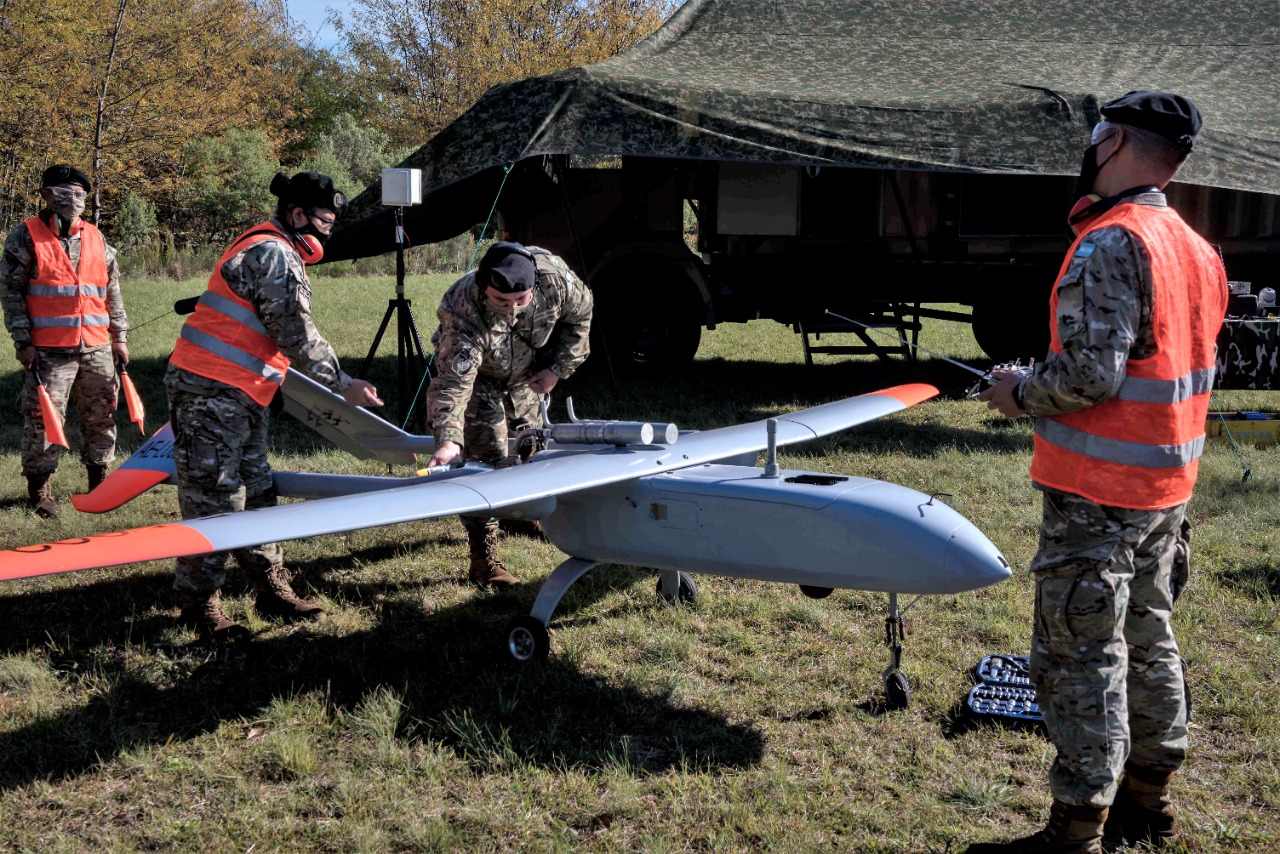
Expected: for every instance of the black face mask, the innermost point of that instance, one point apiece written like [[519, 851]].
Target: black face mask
[[1090, 168]]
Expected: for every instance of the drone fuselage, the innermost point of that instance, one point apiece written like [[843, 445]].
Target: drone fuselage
[[807, 528]]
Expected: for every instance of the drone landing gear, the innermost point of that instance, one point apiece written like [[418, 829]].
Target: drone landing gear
[[526, 638], [676, 586], [897, 690]]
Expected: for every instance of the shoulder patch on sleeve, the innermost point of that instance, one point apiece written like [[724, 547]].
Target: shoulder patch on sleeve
[[1084, 250], [464, 361]]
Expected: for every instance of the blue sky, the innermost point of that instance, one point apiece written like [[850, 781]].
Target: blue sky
[[312, 13]]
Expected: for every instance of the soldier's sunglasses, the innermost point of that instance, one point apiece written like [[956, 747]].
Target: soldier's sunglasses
[[68, 193], [326, 221]]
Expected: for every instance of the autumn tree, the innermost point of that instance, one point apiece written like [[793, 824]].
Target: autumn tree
[[427, 61], [325, 87], [120, 86]]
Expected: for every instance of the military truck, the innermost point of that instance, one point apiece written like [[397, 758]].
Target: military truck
[[674, 246], [887, 160]]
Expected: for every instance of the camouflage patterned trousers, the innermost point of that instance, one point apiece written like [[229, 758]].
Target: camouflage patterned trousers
[[1105, 664], [220, 454], [494, 413], [88, 379]]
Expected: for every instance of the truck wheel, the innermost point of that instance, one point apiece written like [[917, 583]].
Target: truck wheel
[[648, 316], [1013, 323]]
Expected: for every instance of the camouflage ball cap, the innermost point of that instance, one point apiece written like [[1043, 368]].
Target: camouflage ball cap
[[1171, 116], [62, 173], [508, 267]]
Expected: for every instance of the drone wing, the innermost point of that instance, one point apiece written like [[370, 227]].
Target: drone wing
[[483, 492], [355, 430]]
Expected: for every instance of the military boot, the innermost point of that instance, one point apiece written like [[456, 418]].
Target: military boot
[[40, 495], [530, 528], [1071, 830], [276, 598], [1142, 811], [203, 612], [96, 475], [486, 567]]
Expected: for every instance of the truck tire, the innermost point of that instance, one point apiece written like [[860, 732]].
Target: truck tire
[[648, 315], [1013, 323]]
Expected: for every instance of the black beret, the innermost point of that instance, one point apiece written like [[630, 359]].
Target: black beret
[[62, 173], [309, 190], [507, 267], [1171, 116]]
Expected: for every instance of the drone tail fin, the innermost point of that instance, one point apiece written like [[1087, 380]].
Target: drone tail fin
[[150, 465]]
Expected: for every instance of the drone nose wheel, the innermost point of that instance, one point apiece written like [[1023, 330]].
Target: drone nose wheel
[[527, 640], [897, 691]]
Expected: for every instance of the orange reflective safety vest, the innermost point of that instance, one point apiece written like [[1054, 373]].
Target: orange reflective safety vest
[[224, 340], [67, 306], [1141, 448]]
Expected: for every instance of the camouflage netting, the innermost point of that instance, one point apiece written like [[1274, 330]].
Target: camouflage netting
[[1002, 86]]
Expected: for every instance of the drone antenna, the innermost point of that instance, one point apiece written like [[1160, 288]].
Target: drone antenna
[[771, 452]]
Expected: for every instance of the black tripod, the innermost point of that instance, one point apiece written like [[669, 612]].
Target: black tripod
[[411, 361]]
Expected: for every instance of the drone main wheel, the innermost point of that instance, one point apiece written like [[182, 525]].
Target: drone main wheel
[[688, 591], [527, 640], [897, 691], [815, 592]]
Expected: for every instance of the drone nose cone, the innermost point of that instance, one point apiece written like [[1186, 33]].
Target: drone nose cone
[[973, 560]]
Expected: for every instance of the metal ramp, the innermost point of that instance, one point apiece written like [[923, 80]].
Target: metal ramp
[[899, 319]]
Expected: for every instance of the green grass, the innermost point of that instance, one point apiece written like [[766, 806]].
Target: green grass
[[749, 720]]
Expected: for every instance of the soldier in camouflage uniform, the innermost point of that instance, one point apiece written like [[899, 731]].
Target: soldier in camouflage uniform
[[509, 331], [1108, 676], [85, 368], [259, 298]]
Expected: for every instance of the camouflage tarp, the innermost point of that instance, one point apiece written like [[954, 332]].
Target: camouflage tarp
[[1002, 86], [1249, 354]]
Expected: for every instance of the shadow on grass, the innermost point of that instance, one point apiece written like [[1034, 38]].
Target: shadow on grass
[[145, 690], [1261, 581], [961, 720]]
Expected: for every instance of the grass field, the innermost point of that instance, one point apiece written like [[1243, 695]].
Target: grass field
[[748, 720]]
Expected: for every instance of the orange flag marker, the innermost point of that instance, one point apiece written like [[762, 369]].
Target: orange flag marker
[[52, 423], [136, 413]]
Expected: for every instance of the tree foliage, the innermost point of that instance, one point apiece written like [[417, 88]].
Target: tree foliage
[[359, 150], [324, 88], [224, 186], [137, 222], [119, 87], [181, 110], [429, 60]]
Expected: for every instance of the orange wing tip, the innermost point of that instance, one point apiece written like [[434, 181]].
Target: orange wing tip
[[120, 487], [910, 394], [138, 544]]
